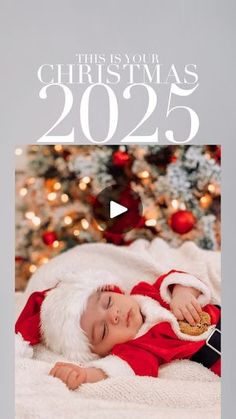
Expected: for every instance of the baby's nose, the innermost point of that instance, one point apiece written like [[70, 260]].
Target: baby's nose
[[114, 316]]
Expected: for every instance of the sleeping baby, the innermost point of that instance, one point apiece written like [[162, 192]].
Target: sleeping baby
[[108, 332]]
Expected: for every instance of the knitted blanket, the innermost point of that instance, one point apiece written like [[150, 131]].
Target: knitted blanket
[[184, 389]]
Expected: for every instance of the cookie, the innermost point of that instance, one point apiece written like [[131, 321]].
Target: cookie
[[197, 329]]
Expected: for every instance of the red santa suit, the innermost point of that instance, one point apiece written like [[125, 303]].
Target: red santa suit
[[159, 339]]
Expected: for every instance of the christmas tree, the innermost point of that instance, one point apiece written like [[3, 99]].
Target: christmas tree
[[179, 187]]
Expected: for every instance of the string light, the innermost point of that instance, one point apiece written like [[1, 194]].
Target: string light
[[82, 186], [34, 147], [205, 201], [68, 220], [144, 174], [57, 186], [58, 147], [29, 215], [18, 151], [122, 148], [175, 203], [86, 179], [150, 223], [84, 223], [32, 268], [56, 244], [52, 196], [211, 188], [31, 180], [36, 221], [44, 259], [76, 232], [64, 198], [23, 191]]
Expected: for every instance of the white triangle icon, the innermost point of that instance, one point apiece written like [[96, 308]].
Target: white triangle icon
[[116, 209]]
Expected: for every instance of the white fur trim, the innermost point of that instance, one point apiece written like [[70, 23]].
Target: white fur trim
[[60, 322], [113, 366], [188, 281], [154, 313], [61, 312], [22, 348]]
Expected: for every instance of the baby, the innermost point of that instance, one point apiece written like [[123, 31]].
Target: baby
[[126, 334]]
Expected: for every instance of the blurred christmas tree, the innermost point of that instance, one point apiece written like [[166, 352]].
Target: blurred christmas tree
[[179, 187]]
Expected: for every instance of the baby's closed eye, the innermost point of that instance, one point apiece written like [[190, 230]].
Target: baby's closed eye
[[109, 302], [104, 331]]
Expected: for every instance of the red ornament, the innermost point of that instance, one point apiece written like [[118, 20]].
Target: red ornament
[[173, 159], [49, 237], [215, 152], [91, 199], [120, 158], [182, 221], [19, 259], [66, 154], [218, 154]]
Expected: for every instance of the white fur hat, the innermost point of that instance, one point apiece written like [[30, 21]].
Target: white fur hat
[[61, 313], [60, 321], [53, 316]]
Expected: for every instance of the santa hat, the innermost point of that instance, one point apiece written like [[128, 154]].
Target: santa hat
[[53, 318]]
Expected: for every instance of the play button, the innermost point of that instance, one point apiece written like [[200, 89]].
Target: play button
[[116, 209]]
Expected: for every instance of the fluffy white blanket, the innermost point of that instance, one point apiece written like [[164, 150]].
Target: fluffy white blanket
[[184, 389]]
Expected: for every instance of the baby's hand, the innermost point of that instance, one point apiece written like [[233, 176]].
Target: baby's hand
[[107, 288], [72, 375], [184, 304]]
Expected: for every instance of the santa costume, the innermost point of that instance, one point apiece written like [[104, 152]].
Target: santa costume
[[53, 318]]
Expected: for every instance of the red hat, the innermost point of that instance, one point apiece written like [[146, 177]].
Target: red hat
[[28, 323], [53, 317]]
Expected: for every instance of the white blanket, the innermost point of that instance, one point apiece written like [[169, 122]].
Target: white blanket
[[184, 389]]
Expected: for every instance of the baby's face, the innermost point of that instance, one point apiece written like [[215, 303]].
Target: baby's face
[[110, 318]]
